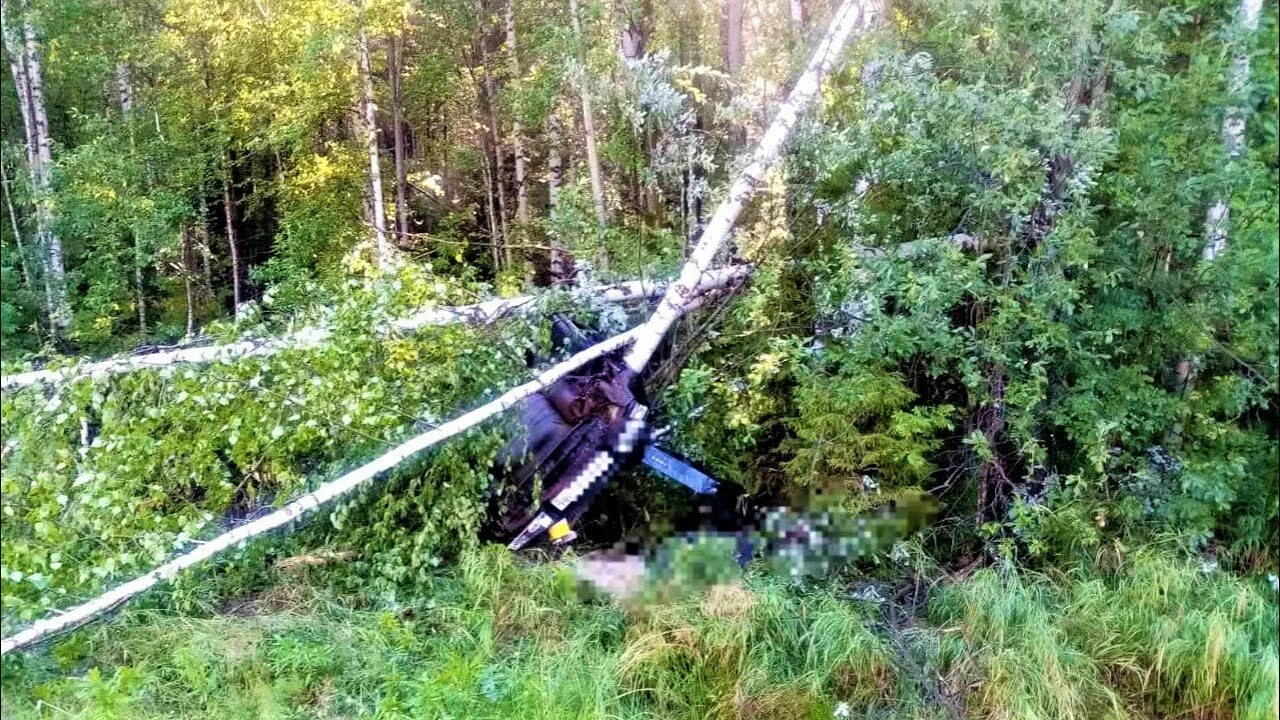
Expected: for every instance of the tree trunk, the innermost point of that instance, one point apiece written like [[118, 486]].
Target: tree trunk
[[633, 40], [517, 132], [797, 18], [395, 59], [16, 51], [371, 144], [561, 263], [1218, 219], [124, 91], [40, 155], [206, 252], [13, 221], [495, 236], [495, 140], [589, 125], [733, 50], [187, 254], [555, 162], [228, 206]]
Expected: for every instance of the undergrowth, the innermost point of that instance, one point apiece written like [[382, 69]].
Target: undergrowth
[[1143, 637]]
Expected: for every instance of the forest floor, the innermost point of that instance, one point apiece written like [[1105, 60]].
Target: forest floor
[[1134, 635]]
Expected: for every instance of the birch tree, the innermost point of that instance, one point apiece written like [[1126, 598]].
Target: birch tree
[[852, 15], [24, 62], [370, 108], [1217, 223]]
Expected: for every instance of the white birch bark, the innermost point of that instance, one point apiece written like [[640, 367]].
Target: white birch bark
[[40, 157], [1217, 223], [295, 510], [853, 14], [229, 212], [371, 144], [479, 313], [16, 52]]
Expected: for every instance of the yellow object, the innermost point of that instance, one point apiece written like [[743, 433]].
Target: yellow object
[[559, 530]]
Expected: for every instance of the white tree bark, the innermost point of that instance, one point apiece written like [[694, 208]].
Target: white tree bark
[[479, 313], [490, 310], [16, 52], [371, 144], [555, 161], [296, 509], [589, 126], [229, 212], [853, 14], [24, 63], [44, 149], [1217, 223]]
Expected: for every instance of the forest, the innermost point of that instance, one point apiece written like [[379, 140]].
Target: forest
[[966, 311]]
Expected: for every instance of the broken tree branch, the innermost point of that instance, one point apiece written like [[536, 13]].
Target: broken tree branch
[[483, 312]]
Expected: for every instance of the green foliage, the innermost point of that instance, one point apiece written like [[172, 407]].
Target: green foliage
[[855, 424], [107, 478], [1009, 287]]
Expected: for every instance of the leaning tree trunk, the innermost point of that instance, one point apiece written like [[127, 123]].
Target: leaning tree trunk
[[371, 145], [852, 14], [589, 126]]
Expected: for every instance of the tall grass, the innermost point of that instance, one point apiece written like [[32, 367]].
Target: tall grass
[[1153, 637]]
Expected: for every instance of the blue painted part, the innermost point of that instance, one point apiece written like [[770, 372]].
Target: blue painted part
[[679, 471]]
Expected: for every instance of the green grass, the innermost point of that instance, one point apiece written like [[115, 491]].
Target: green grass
[[492, 638]]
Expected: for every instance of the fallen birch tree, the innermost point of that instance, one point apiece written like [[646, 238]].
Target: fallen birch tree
[[324, 494], [478, 313], [644, 339]]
